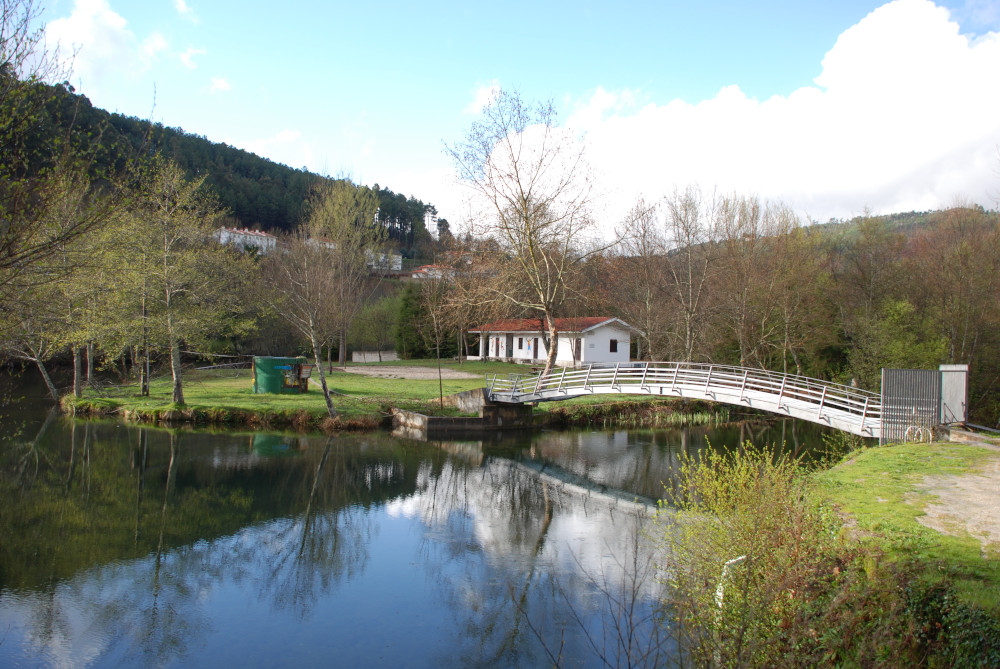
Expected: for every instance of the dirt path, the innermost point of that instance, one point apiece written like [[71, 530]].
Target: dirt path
[[968, 503], [404, 372]]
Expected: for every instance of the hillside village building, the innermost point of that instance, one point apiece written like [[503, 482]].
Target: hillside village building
[[245, 239], [582, 341], [432, 272]]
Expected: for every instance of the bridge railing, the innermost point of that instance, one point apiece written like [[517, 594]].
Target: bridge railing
[[737, 384]]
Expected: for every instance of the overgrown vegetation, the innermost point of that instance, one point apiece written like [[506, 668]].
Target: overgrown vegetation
[[762, 571], [640, 413]]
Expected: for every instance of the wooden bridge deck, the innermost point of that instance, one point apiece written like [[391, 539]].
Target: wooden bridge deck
[[838, 406]]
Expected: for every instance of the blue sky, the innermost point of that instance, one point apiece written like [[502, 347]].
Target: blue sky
[[830, 107]]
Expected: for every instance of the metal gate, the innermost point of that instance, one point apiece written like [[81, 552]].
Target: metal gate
[[911, 398]]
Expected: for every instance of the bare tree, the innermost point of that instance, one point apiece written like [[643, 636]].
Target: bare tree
[[301, 280], [747, 228], [533, 179], [343, 221], [636, 274]]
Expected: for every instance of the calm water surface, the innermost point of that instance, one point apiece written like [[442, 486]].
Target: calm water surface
[[129, 546]]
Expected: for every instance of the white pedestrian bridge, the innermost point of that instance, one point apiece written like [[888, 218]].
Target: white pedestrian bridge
[[838, 406]]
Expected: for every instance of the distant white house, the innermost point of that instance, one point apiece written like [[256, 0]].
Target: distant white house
[[244, 239], [582, 341], [432, 272], [383, 261]]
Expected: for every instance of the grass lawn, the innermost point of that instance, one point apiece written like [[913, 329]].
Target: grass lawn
[[880, 488], [355, 396]]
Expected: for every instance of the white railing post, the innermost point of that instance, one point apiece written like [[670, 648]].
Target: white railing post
[[864, 414], [645, 370], [561, 378], [781, 392], [586, 379], [708, 380], [822, 399], [743, 386], [538, 382], [614, 378], [673, 382]]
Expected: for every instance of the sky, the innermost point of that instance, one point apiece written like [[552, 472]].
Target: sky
[[832, 108]]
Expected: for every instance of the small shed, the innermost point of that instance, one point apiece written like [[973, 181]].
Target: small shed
[[280, 375], [582, 340]]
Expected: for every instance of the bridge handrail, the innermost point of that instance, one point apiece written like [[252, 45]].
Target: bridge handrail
[[708, 378]]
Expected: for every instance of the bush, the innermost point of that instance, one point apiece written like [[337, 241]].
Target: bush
[[761, 575], [745, 548]]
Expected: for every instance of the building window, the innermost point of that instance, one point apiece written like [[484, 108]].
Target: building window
[[520, 343], [614, 345]]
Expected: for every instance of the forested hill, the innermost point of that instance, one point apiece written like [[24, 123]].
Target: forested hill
[[907, 223], [259, 192]]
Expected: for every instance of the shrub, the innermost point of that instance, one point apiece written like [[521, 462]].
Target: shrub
[[759, 574]]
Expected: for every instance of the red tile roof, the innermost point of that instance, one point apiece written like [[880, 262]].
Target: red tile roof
[[244, 231], [578, 324]]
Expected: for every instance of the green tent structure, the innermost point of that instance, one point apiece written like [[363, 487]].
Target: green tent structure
[[280, 375]]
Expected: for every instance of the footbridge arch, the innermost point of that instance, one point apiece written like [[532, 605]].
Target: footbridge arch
[[842, 407]]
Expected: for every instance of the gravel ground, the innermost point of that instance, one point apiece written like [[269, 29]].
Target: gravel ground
[[969, 503]]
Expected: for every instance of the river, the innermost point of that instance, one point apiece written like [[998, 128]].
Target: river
[[136, 546]]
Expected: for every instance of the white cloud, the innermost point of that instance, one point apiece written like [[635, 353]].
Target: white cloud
[[483, 96], [102, 42], [903, 116], [187, 57], [220, 84], [184, 9], [153, 45]]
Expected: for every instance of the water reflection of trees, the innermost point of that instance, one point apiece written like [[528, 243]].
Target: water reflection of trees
[[156, 528], [145, 530], [533, 570]]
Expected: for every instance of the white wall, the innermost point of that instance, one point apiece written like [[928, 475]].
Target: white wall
[[597, 344], [595, 347]]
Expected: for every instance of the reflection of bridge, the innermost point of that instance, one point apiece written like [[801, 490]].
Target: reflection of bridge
[[845, 408]]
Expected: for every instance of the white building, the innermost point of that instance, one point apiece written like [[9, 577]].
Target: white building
[[582, 341], [432, 272], [381, 261], [384, 261], [244, 239]]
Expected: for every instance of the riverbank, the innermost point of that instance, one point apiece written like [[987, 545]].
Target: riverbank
[[364, 396], [932, 509]]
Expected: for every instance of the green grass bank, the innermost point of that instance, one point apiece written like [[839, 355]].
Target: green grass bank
[[225, 398], [885, 492]]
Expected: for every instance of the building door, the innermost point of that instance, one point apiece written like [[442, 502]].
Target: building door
[[534, 349], [577, 349], [510, 346]]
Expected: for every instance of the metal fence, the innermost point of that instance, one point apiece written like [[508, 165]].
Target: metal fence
[[911, 403]]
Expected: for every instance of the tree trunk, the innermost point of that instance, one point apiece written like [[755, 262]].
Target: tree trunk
[[77, 371], [48, 380], [145, 370], [342, 353], [550, 360], [317, 354], [90, 362], [175, 369]]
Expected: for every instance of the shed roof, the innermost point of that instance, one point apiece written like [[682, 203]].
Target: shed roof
[[244, 231], [577, 324]]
